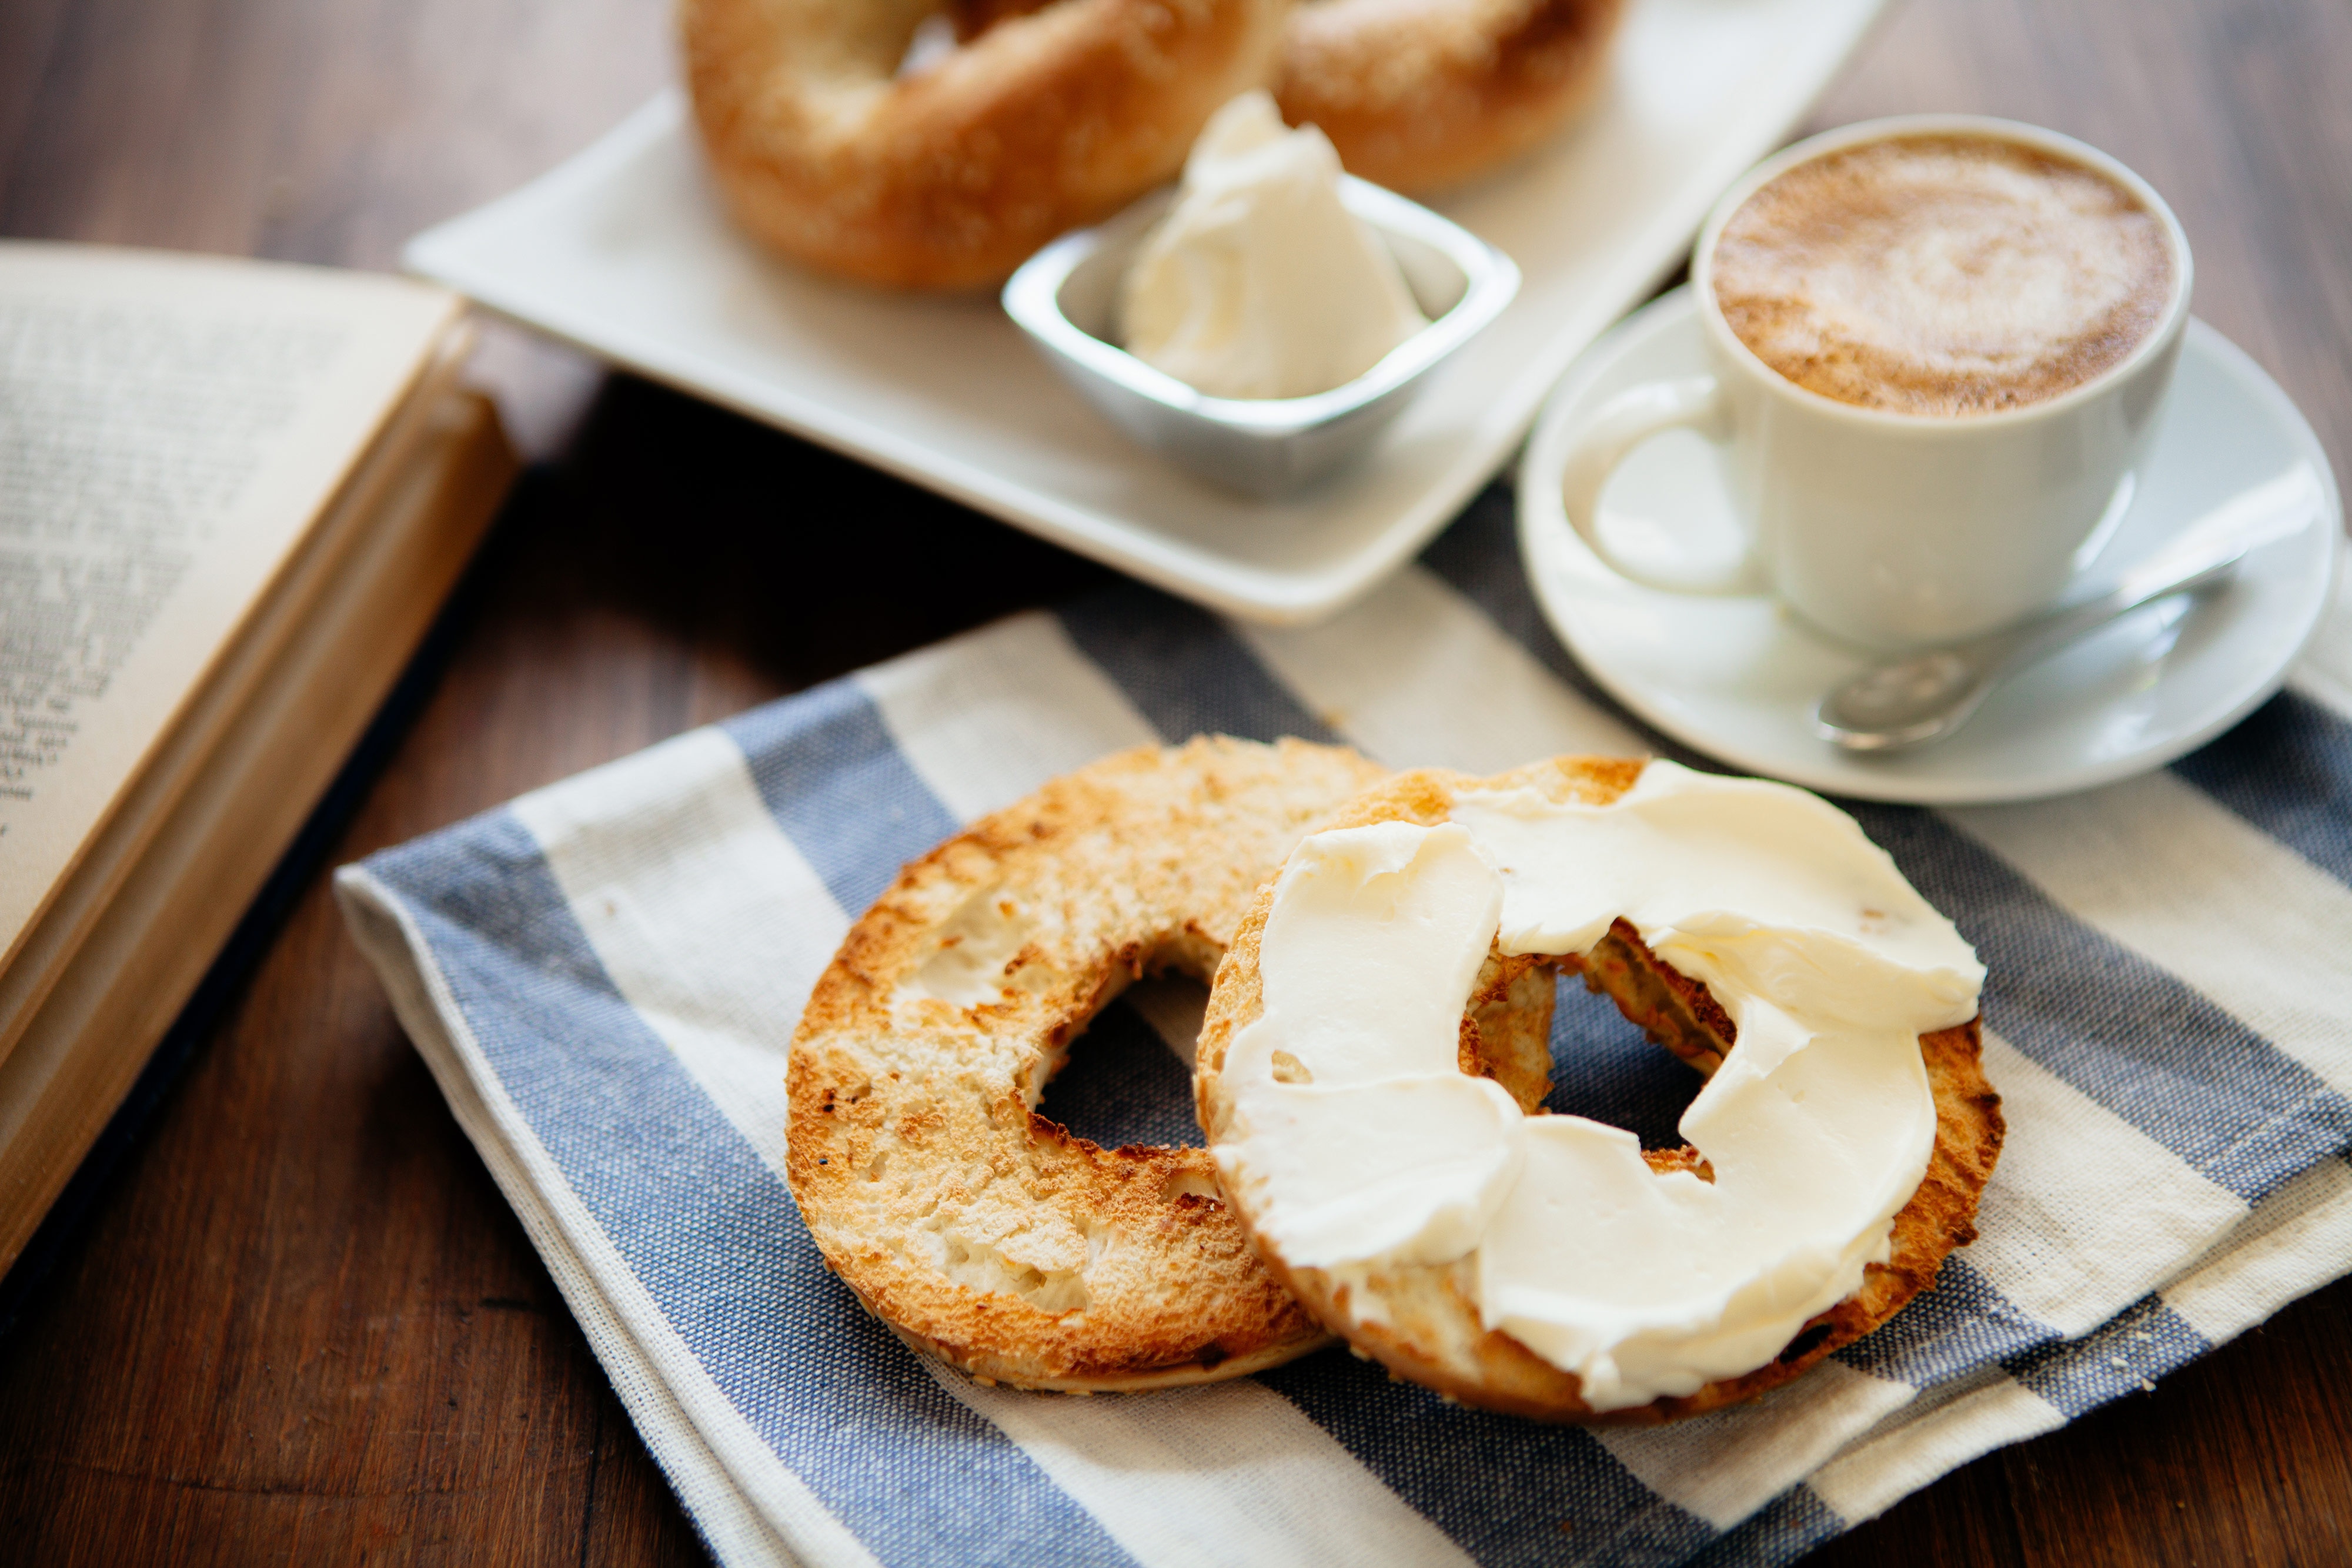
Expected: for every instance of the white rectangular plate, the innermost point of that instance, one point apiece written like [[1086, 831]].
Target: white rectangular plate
[[624, 250]]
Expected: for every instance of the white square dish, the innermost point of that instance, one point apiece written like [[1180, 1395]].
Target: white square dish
[[625, 251]]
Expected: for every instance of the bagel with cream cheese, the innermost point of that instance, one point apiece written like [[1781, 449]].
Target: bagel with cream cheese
[[984, 1233], [1546, 1265]]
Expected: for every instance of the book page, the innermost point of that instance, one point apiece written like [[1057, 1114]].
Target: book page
[[170, 427]]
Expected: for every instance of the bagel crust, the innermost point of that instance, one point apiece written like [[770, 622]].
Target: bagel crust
[[987, 1235], [1422, 94], [953, 175], [1422, 1320]]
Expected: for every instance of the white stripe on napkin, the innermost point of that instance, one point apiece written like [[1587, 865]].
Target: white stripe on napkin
[[1418, 678], [986, 717], [2139, 862], [2085, 1212], [1726, 1466], [2295, 1243], [1223, 1472], [744, 1500], [703, 914], [1971, 1419]]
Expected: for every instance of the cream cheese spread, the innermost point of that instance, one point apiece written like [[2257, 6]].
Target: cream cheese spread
[[1356, 1141], [1259, 283]]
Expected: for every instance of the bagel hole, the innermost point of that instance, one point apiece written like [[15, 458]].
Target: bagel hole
[[1604, 1069], [1128, 1080]]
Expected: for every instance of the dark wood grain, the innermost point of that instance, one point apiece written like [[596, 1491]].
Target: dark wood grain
[[299, 1325]]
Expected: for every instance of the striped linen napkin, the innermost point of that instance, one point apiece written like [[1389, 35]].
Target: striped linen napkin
[[604, 975]]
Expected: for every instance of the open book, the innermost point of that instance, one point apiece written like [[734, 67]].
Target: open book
[[232, 495]]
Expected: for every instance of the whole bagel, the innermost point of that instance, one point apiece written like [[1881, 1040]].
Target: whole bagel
[[1423, 1319], [987, 1235], [950, 176], [1420, 94]]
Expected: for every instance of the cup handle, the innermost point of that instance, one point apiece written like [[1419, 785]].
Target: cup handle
[[1623, 423]]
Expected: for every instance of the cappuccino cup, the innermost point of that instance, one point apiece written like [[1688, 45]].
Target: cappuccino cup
[[1938, 349]]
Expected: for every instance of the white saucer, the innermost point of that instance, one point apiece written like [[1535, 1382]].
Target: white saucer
[[1738, 677]]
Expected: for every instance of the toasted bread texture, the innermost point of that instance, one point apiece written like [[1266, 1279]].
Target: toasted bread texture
[[1423, 1319], [984, 1233], [948, 177]]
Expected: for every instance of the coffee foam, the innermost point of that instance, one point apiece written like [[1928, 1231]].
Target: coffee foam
[[1942, 274]]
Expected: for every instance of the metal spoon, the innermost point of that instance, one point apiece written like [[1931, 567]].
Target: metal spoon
[[1927, 695]]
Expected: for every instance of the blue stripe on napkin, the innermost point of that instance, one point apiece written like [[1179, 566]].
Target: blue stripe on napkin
[[1781, 1531], [1507, 1491], [1961, 1324], [2288, 770], [1184, 670], [2131, 1349], [711, 1233], [836, 782]]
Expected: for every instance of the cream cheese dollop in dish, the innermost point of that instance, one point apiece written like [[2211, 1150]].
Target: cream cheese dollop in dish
[[1259, 283]]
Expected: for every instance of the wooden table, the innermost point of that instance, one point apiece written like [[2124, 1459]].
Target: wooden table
[[297, 1324]]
